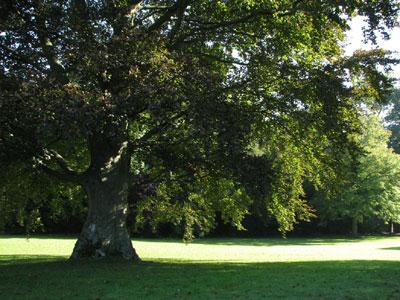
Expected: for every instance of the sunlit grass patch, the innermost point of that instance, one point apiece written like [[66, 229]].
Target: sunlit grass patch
[[206, 269], [224, 250]]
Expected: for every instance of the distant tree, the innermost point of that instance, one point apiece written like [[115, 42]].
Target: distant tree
[[393, 120], [104, 93], [371, 189]]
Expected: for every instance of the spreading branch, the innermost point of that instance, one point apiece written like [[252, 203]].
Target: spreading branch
[[166, 16], [180, 15], [206, 26], [47, 45], [20, 58], [64, 172], [157, 130], [57, 174]]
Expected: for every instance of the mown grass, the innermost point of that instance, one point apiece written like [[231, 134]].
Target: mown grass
[[365, 268]]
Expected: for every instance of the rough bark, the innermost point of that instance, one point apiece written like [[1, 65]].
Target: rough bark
[[104, 233]]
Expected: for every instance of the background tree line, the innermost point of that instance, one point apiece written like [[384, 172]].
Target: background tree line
[[366, 197]]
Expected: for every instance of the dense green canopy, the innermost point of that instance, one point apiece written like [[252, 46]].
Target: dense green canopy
[[215, 103]]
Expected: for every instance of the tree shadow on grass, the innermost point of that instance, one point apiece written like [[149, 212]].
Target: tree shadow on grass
[[275, 241], [267, 241], [54, 277], [39, 236], [16, 260], [284, 241], [391, 248]]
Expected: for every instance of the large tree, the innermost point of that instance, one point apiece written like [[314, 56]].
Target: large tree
[[199, 96]]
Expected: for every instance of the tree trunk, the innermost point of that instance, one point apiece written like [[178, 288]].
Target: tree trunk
[[104, 233], [354, 226], [391, 228]]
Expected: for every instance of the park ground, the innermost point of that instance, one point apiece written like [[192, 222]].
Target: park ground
[[293, 268]]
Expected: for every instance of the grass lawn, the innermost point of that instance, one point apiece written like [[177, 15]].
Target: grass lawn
[[364, 268]]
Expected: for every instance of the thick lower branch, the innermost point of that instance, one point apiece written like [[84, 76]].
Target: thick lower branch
[[61, 175]]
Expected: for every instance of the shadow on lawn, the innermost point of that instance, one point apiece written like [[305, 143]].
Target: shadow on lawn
[[40, 237], [277, 241], [267, 241], [391, 248], [55, 277]]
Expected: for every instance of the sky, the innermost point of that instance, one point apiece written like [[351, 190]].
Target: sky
[[354, 41]]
